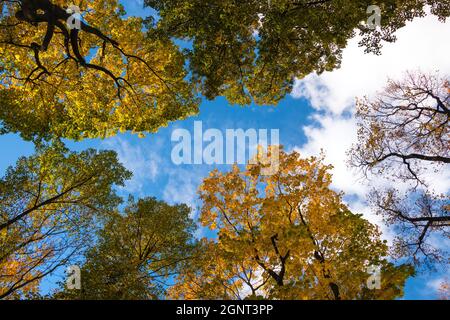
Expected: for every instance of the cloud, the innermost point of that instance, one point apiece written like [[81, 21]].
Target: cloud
[[145, 165], [182, 187], [420, 45], [436, 285], [333, 136]]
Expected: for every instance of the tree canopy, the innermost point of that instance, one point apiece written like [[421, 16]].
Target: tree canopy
[[285, 236], [50, 204], [69, 72], [116, 73], [252, 50], [104, 77], [137, 252]]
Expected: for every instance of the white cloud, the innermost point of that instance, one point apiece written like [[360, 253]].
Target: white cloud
[[436, 285], [334, 135], [182, 187], [143, 164], [421, 45]]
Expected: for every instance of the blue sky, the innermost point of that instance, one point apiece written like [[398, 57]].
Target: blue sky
[[318, 115]]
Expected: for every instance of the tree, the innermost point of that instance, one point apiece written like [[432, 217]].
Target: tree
[[51, 203], [285, 236], [112, 73], [254, 49], [92, 80], [137, 252], [403, 134]]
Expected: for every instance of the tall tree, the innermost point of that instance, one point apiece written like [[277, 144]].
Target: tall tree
[[404, 134], [285, 236], [50, 203], [90, 77], [254, 49], [137, 252]]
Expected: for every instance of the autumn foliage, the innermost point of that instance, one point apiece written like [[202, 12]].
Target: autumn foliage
[[284, 236], [107, 77]]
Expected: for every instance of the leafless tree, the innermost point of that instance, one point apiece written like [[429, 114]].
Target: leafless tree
[[404, 134]]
